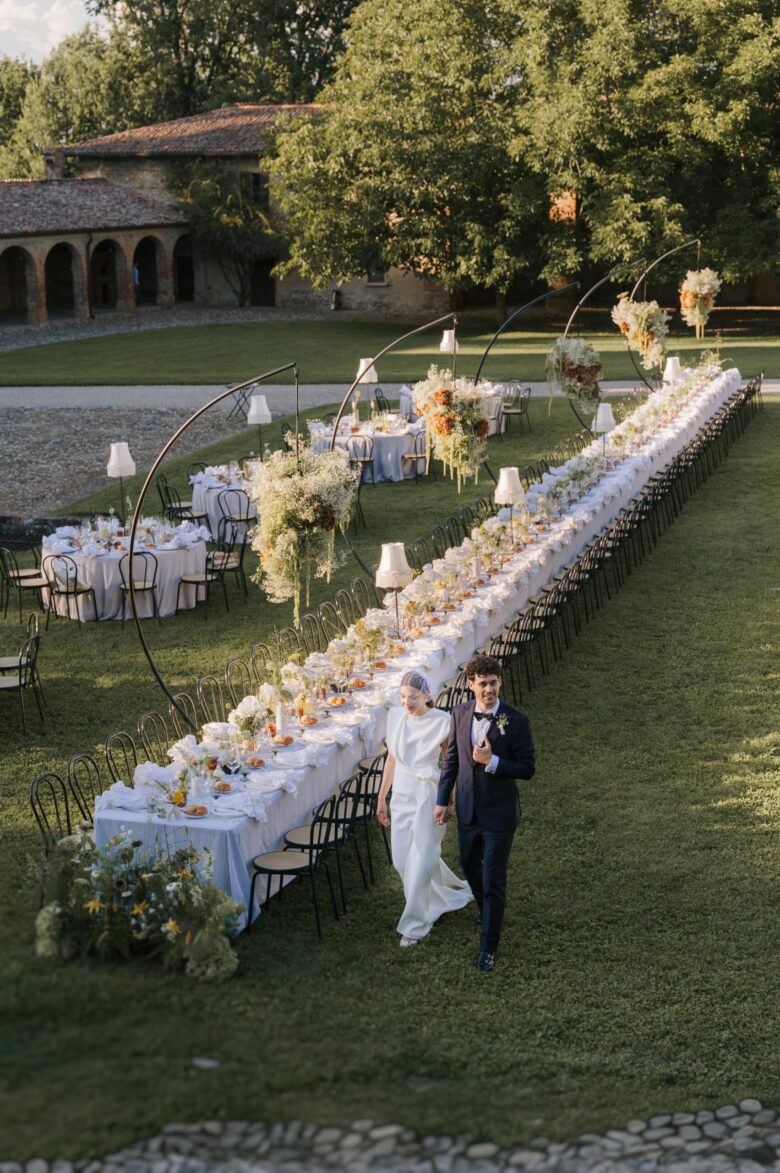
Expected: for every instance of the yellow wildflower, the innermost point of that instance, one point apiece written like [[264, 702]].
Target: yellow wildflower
[[186, 874], [171, 927], [140, 909], [94, 905]]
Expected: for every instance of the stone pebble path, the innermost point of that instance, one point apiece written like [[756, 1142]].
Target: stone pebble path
[[743, 1137]]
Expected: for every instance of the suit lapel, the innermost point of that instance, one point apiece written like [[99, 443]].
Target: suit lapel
[[468, 717]]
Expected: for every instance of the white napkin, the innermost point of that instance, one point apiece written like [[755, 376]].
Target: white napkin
[[270, 781], [219, 730], [92, 549], [149, 773], [58, 545], [66, 531], [327, 735], [121, 796], [242, 802]]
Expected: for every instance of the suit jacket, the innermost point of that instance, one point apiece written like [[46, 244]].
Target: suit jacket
[[492, 797]]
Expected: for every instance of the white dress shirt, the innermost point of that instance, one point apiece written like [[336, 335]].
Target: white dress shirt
[[479, 732]]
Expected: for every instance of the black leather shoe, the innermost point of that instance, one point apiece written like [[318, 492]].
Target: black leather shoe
[[486, 962]]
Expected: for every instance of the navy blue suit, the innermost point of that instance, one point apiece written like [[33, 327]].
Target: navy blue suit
[[487, 805]]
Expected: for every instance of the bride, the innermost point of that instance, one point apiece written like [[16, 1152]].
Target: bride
[[416, 735]]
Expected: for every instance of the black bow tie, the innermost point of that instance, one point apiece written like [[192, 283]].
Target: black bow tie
[[483, 716]]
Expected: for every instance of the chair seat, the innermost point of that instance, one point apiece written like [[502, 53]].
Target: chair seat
[[282, 861], [224, 562], [9, 682], [59, 589], [36, 580], [140, 586], [300, 836], [195, 579], [28, 572], [9, 662]]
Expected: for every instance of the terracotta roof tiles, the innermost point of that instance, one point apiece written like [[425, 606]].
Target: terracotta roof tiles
[[233, 130], [30, 207]]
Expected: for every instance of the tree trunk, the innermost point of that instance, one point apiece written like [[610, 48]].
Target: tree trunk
[[500, 305]]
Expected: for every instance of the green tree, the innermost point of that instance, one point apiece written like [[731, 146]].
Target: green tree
[[81, 92], [231, 218], [661, 119], [408, 164], [15, 76]]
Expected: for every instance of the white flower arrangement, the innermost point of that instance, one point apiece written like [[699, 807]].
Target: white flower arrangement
[[697, 297], [646, 327], [249, 716], [573, 367], [456, 422], [301, 502]]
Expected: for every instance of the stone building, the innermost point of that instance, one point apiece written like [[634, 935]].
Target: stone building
[[72, 247]]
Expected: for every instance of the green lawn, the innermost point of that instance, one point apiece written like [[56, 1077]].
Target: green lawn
[[637, 972], [327, 351]]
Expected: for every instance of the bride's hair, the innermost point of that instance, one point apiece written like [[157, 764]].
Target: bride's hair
[[415, 679]]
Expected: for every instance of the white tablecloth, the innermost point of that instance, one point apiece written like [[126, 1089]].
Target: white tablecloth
[[235, 842], [101, 572], [389, 450]]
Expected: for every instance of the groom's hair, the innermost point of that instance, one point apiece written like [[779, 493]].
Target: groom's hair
[[482, 666]]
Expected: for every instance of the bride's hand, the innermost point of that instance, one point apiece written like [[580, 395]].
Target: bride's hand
[[382, 815]]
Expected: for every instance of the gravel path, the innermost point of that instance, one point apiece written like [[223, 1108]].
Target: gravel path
[[743, 1138]]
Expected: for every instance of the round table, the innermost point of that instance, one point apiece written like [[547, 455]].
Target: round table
[[389, 450], [205, 501]]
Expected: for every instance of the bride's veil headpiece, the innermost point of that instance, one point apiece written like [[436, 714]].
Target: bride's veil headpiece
[[416, 679]]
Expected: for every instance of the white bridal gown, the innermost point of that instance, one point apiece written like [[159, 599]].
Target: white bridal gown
[[430, 887]]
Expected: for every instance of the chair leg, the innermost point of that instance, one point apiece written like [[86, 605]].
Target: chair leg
[[315, 903], [21, 702], [330, 887], [360, 862]]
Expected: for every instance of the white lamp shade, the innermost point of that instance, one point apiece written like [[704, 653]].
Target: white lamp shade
[[367, 372], [120, 462], [259, 412], [509, 490], [605, 420], [393, 572], [672, 370], [449, 343]]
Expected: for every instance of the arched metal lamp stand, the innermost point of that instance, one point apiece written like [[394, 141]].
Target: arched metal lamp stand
[[505, 325], [643, 277], [390, 346], [616, 274], [291, 366]]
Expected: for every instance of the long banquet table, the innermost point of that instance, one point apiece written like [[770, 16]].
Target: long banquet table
[[235, 841]]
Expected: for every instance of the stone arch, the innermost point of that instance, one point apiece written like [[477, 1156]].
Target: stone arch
[[18, 286], [63, 276], [108, 275], [184, 268], [148, 268]]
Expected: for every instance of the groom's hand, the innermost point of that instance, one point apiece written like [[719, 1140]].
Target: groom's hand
[[482, 753], [441, 814]]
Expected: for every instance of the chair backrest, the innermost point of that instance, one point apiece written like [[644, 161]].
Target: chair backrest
[[422, 551], [261, 657], [412, 559], [61, 573], [466, 517], [418, 449], [211, 698], [155, 736], [360, 448], [288, 640], [381, 399], [332, 623], [313, 636], [439, 540], [240, 679], [49, 802], [194, 467], [235, 505], [187, 705], [28, 658], [161, 481], [33, 624], [172, 498], [145, 567], [121, 756], [85, 783], [361, 593], [452, 531], [345, 605]]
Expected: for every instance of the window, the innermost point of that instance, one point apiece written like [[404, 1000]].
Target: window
[[254, 187], [377, 277]]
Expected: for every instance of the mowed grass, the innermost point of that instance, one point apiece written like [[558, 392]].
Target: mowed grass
[[329, 351], [637, 972]]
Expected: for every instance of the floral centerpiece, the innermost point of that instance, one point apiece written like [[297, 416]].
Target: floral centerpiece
[[254, 712], [646, 327], [457, 428], [573, 367], [697, 297], [301, 501], [116, 901]]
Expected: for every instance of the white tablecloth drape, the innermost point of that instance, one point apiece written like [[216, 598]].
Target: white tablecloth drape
[[101, 572], [388, 453], [205, 500], [234, 842]]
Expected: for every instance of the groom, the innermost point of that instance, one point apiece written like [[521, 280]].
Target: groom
[[489, 747]]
